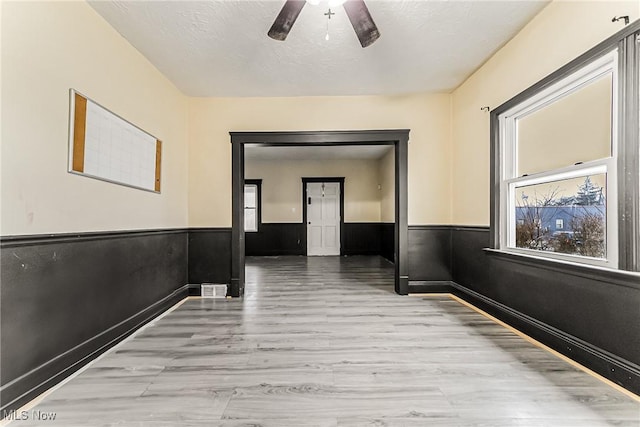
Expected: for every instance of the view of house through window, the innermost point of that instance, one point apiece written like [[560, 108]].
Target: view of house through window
[[543, 210]]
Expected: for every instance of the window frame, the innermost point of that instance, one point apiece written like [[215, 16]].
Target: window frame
[[258, 184], [622, 50], [571, 172]]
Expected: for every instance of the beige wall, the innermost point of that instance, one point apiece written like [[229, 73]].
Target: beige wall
[[561, 32], [48, 48], [282, 187], [386, 172], [211, 119], [42, 57]]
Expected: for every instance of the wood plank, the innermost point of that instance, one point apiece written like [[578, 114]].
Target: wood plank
[[158, 164], [79, 130], [325, 341]]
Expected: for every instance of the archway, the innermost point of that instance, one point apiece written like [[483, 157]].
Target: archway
[[399, 138]]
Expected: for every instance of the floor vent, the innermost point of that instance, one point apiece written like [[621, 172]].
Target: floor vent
[[210, 290]]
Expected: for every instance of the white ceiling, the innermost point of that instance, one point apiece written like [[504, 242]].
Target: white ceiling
[[262, 152], [221, 48]]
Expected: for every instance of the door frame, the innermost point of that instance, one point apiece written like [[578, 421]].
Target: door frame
[[339, 180], [399, 138]]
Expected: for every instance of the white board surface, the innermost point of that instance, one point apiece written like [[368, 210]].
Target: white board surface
[[114, 149]]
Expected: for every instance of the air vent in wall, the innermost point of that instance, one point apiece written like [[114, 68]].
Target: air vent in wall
[[211, 290]]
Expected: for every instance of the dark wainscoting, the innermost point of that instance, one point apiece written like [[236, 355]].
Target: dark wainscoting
[[276, 239], [387, 240], [362, 238], [67, 298], [359, 238], [210, 255], [429, 253], [369, 238], [589, 315]]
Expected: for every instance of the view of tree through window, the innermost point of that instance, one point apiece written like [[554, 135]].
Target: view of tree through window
[[567, 216]]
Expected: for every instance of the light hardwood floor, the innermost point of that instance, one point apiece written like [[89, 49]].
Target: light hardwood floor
[[326, 342]]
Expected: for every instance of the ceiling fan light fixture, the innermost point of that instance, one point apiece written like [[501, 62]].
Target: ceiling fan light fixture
[[356, 11]]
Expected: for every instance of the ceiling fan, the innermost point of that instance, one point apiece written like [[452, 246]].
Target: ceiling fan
[[356, 10]]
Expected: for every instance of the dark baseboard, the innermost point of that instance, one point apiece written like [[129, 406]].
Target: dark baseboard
[[28, 386], [620, 371], [430, 286], [194, 289]]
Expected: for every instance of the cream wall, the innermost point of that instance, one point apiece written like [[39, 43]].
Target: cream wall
[[42, 57], [387, 174], [560, 32], [282, 187], [48, 48], [211, 119]]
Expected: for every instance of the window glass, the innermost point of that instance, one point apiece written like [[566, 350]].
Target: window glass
[[250, 220], [566, 216], [251, 207], [571, 129], [250, 196]]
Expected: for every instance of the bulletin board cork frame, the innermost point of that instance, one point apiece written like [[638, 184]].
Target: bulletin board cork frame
[[107, 147]]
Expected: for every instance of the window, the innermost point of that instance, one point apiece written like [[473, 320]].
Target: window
[[560, 161], [252, 198], [563, 154]]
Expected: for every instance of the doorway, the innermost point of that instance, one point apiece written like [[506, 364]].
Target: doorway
[[398, 138], [323, 215]]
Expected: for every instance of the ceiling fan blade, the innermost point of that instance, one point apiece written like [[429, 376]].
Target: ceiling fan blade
[[361, 21], [285, 19]]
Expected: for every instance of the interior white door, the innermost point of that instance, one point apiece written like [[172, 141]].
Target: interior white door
[[323, 218]]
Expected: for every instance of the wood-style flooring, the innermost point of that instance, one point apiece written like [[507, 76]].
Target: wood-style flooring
[[326, 342]]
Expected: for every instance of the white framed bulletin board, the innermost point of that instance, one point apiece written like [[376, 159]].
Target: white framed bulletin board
[[105, 146]]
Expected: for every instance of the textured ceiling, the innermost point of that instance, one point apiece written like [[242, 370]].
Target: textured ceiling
[[367, 152], [220, 48]]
